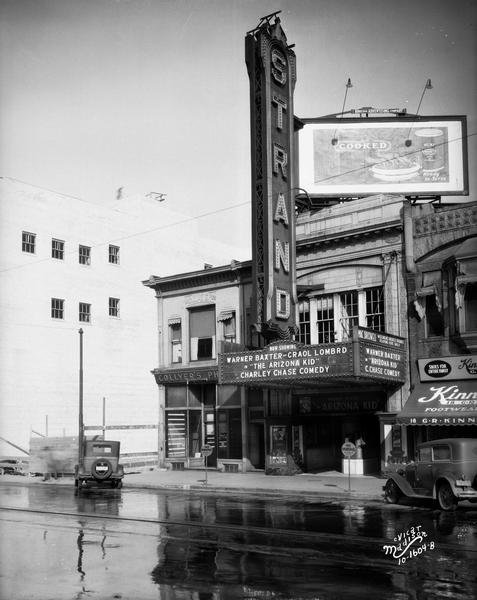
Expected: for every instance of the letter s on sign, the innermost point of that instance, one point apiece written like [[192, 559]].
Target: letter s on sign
[[279, 66]]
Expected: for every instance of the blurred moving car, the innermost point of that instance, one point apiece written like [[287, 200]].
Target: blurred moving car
[[12, 466], [444, 470], [99, 466]]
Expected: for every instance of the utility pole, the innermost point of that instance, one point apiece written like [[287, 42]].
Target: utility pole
[[104, 418], [80, 411]]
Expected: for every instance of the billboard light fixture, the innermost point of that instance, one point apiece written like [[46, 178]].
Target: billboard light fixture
[[334, 139], [428, 86]]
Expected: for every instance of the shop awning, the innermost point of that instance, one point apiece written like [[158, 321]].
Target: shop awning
[[441, 403], [226, 315]]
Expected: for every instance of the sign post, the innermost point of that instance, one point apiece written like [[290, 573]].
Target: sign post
[[348, 449], [206, 451]]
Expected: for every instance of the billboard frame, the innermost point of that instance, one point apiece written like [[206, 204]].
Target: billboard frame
[[453, 149]]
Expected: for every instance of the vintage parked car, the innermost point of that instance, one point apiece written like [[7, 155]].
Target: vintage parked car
[[99, 466], [444, 470], [12, 466]]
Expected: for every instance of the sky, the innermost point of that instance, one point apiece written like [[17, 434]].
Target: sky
[[153, 95]]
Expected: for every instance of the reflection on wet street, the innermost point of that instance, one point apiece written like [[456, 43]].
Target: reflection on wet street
[[152, 544]]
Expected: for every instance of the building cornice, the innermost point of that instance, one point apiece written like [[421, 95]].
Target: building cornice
[[233, 274], [375, 230]]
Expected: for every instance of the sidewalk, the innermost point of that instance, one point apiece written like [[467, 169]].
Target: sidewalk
[[330, 484]]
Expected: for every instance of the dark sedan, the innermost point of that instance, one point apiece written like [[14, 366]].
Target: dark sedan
[[444, 470]]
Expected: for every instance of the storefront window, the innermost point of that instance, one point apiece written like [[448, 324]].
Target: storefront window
[[228, 395], [176, 434], [195, 396], [198, 414], [176, 396]]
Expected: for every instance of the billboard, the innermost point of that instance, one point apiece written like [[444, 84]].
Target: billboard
[[351, 157]]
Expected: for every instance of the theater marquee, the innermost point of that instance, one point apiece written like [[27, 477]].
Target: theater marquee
[[370, 356], [286, 362]]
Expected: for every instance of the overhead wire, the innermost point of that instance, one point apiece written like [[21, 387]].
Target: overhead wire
[[201, 216]]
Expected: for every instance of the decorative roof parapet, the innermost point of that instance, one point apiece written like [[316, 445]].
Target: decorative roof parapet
[[465, 216]]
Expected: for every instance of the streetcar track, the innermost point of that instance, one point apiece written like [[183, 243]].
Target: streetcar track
[[326, 557], [268, 531]]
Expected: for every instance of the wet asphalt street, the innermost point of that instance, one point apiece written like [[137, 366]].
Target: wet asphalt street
[[152, 544]]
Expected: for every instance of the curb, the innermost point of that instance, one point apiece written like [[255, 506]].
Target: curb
[[309, 495]]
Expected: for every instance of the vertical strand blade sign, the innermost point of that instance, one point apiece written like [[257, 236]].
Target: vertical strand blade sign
[[271, 66]]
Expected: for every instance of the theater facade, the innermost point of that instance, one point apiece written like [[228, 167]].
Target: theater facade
[[276, 362], [289, 405]]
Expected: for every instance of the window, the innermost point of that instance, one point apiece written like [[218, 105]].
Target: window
[[470, 305], [202, 333], [85, 312], [57, 249], [84, 255], [114, 307], [349, 313], [304, 335], [229, 333], [325, 320], [100, 449], [462, 285], [57, 308], [28, 242], [114, 255], [434, 318], [425, 454], [441, 453], [175, 337], [333, 316], [428, 303], [375, 309]]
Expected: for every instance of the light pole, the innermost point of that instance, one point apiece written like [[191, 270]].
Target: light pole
[[80, 411]]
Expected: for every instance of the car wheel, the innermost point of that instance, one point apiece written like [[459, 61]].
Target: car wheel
[[392, 493], [445, 497], [101, 469]]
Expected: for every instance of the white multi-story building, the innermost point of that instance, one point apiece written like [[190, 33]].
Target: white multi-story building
[[67, 264]]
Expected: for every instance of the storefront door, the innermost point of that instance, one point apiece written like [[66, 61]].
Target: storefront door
[[210, 435]]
